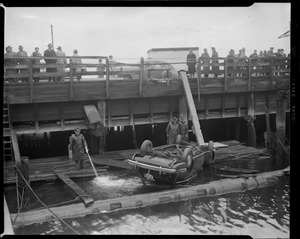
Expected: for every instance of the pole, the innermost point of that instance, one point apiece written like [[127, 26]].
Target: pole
[[52, 37], [92, 164]]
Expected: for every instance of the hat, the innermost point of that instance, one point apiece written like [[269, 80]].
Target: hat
[[75, 51], [77, 130], [205, 49], [49, 44], [281, 49], [110, 56], [59, 48], [20, 46], [36, 48], [174, 118], [271, 47], [8, 47]]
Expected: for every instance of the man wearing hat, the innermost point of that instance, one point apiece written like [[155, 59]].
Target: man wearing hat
[[101, 68], [230, 61], [76, 62], [214, 60], [191, 62], [78, 145], [172, 131], [22, 61], [61, 61], [205, 58], [50, 53], [183, 129], [36, 53], [10, 62]]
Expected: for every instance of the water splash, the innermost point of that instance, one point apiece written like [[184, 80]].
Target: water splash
[[114, 181]]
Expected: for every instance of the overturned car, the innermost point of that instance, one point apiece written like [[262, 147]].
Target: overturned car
[[171, 164]]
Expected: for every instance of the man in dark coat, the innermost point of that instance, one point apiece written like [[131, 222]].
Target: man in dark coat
[[78, 145], [172, 131], [205, 59], [183, 129], [230, 62], [50, 53], [191, 61], [214, 60], [9, 63]]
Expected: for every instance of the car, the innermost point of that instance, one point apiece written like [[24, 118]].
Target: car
[[152, 69], [171, 164]]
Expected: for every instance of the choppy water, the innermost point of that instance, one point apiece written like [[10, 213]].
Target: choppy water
[[260, 213]]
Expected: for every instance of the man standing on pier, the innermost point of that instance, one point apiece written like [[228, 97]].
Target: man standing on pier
[[191, 61], [172, 131], [50, 53], [205, 58], [78, 145]]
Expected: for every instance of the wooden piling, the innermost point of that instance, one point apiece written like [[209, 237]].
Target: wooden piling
[[250, 120], [280, 124]]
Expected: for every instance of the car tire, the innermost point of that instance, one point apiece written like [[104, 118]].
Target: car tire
[[146, 147], [187, 157]]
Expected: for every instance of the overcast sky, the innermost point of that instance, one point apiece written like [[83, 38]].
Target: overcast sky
[[129, 32]]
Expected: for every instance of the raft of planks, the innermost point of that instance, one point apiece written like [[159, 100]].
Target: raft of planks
[[214, 188]]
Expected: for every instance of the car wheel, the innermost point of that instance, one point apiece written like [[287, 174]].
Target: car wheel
[[187, 157], [146, 147]]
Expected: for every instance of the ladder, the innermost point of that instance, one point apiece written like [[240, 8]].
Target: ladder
[[7, 144]]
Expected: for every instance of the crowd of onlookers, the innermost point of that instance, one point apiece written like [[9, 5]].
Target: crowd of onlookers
[[49, 52], [237, 61]]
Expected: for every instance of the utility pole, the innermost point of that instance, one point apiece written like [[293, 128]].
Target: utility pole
[[52, 37]]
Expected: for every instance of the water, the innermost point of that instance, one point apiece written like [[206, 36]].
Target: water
[[260, 213]]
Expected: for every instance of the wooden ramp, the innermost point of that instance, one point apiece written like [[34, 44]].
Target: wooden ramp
[[84, 197]]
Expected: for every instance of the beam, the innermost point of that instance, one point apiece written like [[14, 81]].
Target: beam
[[214, 188], [192, 108], [84, 197]]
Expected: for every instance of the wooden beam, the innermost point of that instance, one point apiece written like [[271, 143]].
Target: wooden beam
[[192, 108], [130, 112], [62, 115], [101, 107], [14, 140], [84, 197], [183, 108], [214, 188], [223, 105], [36, 117], [249, 75], [206, 106], [199, 79], [151, 111], [280, 124], [31, 81], [141, 77], [109, 124], [170, 108], [71, 81], [107, 79], [238, 105], [225, 75]]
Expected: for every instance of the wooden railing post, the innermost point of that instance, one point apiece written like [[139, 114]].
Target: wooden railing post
[[107, 78], [271, 72], [141, 77], [30, 80], [225, 75], [199, 79], [249, 74], [71, 81]]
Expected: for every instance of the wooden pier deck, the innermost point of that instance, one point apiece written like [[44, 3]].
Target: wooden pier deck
[[42, 169]]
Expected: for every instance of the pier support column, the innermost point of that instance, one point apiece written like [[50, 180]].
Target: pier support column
[[183, 108], [237, 126], [280, 122], [250, 120], [101, 107]]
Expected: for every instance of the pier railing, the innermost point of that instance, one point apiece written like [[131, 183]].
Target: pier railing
[[230, 74]]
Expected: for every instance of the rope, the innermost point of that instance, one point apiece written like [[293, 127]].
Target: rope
[[46, 205], [282, 145]]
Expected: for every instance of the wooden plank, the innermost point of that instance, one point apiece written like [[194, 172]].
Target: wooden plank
[[71, 82], [8, 229], [280, 124], [62, 115], [151, 110], [199, 79], [36, 117], [214, 188], [225, 75], [249, 75], [31, 81], [223, 105], [14, 140], [107, 79], [141, 77], [192, 108], [101, 106], [84, 197], [207, 106]]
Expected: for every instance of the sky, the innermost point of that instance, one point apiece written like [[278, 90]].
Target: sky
[[129, 32]]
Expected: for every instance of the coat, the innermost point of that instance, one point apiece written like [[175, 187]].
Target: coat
[[77, 145]]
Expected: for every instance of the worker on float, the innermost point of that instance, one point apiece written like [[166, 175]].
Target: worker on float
[[172, 131], [78, 145]]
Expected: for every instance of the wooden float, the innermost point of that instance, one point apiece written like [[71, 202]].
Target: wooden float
[[214, 188]]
